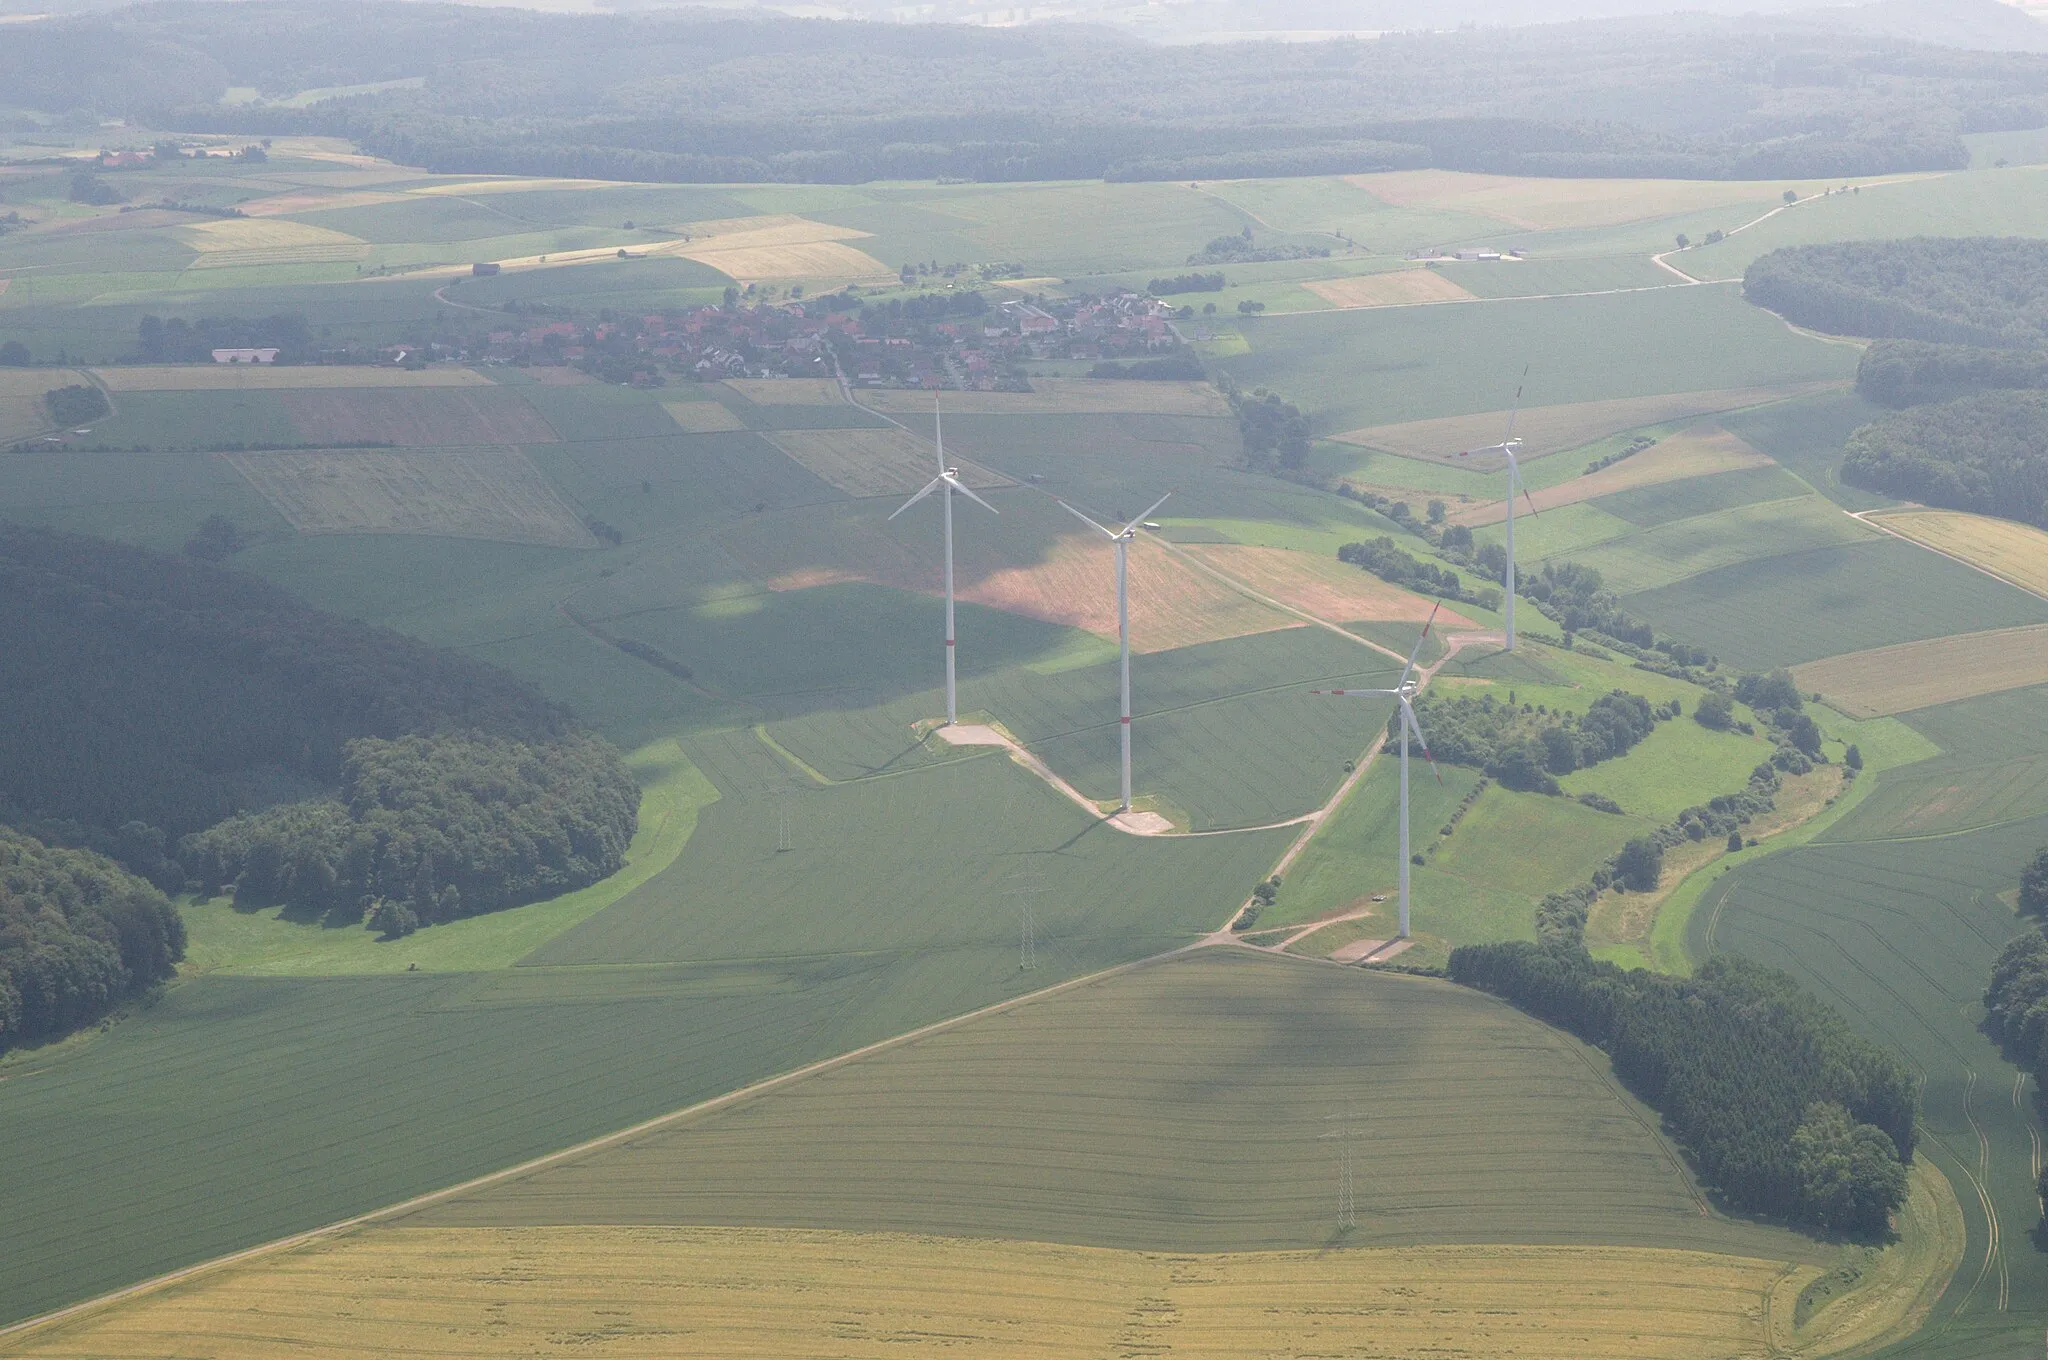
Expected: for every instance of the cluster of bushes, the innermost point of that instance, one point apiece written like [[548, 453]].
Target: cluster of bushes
[[1777, 700], [1240, 248], [1384, 559], [1180, 367], [1982, 452], [1186, 283], [78, 935], [75, 405], [1900, 373], [1577, 600], [1784, 1110], [429, 828], [1978, 290], [1274, 432], [145, 698], [1525, 746]]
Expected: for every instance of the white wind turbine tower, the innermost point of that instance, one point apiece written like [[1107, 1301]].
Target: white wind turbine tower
[[1405, 694], [1122, 538], [1507, 447], [948, 481]]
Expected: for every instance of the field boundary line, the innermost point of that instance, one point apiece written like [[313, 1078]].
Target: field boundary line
[[547, 1160], [1875, 519]]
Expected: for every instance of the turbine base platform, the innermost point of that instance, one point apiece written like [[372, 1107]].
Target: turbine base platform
[[971, 734], [1369, 951]]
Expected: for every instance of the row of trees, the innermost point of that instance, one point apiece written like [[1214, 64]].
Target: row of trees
[[78, 935], [1977, 290], [1576, 598], [434, 826], [1525, 746], [1784, 1110], [1984, 453], [1383, 558]]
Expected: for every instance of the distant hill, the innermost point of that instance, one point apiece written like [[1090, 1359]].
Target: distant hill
[[721, 96]]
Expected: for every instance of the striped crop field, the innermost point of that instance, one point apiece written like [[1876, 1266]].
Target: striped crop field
[[1070, 396], [1935, 671], [740, 1293], [1549, 429], [1180, 1107], [231, 377], [2006, 548], [1699, 452]]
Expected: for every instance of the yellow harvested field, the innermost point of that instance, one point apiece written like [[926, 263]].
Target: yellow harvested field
[[788, 391], [1551, 429], [884, 462], [1055, 396], [1397, 288], [234, 242], [1698, 452], [1556, 204], [487, 493], [1319, 584], [265, 377], [802, 260], [2006, 548], [312, 200], [776, 1293], [702, 417], [1916, 674]]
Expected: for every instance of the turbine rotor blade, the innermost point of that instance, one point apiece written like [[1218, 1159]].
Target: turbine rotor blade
[[1408, 716], [1359, 693], [939, 435], [1107, 533], [933, 485], [1420, 638], [1515, 480], [1148, 512], [1516, 409], [961, 487]]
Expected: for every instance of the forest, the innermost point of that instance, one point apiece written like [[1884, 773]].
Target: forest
[[78, 935], [1984, 453], [1784, 1110], [705, 96], [145, 698], [1900, 373], [1975, 290], [1524, 746]]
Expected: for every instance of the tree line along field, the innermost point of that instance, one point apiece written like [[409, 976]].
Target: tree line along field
[[800, 694]]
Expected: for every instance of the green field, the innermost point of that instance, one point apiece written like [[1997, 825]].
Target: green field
[[1900, 935], [1672, 551], [1121, 1114], [1357, 369], [1651, 506], [1992, 770], [1780, 611], [1806, 437]]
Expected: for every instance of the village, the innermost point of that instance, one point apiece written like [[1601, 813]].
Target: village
[[959, 341]]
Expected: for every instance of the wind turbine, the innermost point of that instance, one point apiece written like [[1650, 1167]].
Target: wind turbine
[[948, 481], [1404, 693], [1507, 447], [1122, 538]]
